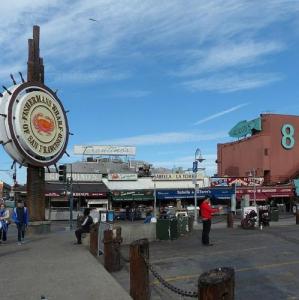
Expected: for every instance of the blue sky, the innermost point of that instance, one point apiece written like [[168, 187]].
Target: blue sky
[[166, 76]]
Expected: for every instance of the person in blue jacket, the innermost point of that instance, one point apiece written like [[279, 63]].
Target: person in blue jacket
[[20, 216]]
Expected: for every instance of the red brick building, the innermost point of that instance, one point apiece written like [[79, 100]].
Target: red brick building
[[271, 152]]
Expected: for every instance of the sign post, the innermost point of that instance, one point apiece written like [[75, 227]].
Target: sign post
[[34, 128]]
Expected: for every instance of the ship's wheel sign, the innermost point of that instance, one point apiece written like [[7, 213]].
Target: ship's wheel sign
[[33, 124]]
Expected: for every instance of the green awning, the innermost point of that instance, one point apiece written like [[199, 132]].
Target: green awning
[[142, 195]]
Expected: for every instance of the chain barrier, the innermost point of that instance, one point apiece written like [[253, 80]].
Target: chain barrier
[[126, 260], [166, 284]]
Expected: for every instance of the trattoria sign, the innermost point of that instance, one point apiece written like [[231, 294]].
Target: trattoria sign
[[35, 129]]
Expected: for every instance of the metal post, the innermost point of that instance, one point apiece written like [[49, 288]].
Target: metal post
[[195, 201], [71, 198], [155, 201], [254, 186]]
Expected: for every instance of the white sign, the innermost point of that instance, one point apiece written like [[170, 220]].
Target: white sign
[[83, 177], [171, 176], [36, 130], [105, 150], [127, 177]]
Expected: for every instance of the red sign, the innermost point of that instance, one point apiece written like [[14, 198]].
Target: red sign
[[238, 181], [265, 192]]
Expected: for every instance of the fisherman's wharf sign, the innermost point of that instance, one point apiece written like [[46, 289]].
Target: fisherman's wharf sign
[[35, 128]]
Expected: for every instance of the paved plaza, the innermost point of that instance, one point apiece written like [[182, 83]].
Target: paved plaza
[[51, 266], [266, 261]]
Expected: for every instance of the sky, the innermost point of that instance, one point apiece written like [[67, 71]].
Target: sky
[[165, 76]]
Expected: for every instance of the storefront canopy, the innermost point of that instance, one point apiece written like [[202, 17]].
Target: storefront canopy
[[143, 195], [216, 193], [95, 190], [265, 192]]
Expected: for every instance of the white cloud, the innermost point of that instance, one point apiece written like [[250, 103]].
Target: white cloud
[[219, 114], [230, 55], [232, 83], [222, 35], [164, 138]]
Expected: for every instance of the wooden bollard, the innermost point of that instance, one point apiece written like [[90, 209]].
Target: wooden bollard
[[230, 220], [108, 250], [297, 214], [217, 284], [139, 273], [93, 242]]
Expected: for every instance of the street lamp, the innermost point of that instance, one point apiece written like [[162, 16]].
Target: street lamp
[[252, 174], [197, 159]]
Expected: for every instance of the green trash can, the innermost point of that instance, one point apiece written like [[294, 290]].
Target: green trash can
[[173, 226], [274, 214], [163, 229]]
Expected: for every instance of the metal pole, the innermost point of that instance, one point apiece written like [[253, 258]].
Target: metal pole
[[254, 187], [155, 200], [195, 200], [71, 198]]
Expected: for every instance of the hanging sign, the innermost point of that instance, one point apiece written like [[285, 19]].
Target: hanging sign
[[33, 126]]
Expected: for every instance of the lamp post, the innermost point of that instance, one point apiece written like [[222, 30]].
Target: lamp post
[[252, 174], [197, 158]]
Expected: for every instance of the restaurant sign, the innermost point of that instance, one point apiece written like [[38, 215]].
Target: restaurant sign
[[105, 150], [142, 195], [122, 177], [239, 181], [173, 177], [264, 193], [244, 128], [218, 193]]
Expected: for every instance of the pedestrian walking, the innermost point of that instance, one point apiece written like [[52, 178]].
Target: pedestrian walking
[[4, 222], [206, 212], [85, 226], [21, 217]]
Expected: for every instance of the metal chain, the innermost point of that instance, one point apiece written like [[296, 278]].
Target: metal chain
[[117, 249], [166, 284]]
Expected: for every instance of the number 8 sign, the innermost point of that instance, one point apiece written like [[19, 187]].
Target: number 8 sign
[[287, 140]]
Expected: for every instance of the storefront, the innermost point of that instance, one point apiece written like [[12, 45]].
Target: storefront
[[274, 195], [56, 195]]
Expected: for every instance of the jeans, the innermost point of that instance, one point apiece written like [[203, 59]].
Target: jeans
[[78, 234], [21, 231], [3, 235], [206, 227]]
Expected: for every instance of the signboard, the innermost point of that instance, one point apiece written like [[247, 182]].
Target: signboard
[[122, 177], [244, 128], [142, 195], [263, 193], [76, 194], [218, 193], [239, 181], [35, 129], [173, 176], [77, 177], [105, 150]]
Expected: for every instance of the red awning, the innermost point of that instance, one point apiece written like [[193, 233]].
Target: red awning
[[265, 192]]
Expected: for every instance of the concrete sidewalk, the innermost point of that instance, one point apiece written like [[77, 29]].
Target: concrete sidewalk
[[52, 266]]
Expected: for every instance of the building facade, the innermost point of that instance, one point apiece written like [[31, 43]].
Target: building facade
[[271, 151]]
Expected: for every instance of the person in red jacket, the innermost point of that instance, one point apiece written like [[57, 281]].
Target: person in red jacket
[[206, 212]]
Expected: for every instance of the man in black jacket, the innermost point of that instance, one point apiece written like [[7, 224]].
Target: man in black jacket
[[85, 226]]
